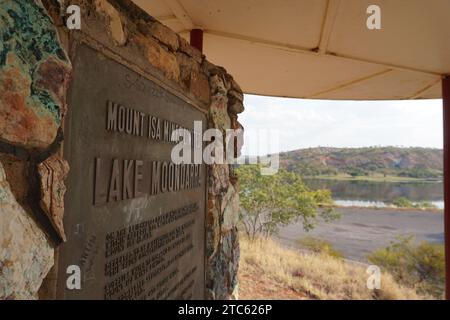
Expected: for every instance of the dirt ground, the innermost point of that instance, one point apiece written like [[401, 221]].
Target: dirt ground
[[360, 231]]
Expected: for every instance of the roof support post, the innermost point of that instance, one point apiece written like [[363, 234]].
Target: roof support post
[[446, 118], [197, 39]]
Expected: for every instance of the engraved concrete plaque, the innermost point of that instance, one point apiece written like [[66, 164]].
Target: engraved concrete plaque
[[135, 221]]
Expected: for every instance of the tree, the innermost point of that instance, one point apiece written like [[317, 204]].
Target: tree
[[269, 202]]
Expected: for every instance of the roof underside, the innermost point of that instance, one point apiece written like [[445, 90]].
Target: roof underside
[[320, 49]]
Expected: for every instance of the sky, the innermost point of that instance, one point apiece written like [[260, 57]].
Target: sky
[[299, 123]]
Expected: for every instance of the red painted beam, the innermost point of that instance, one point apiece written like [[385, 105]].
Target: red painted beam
[[446, 118], [197, 39]]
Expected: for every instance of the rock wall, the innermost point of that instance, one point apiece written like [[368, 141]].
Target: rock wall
[[35, 73]]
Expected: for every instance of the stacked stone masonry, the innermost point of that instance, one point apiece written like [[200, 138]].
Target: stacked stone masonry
[[35, 71]]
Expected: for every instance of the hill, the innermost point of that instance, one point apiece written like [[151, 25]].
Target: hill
[[418, 163], [290, 274]]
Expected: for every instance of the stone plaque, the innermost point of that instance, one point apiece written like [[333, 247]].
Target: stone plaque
[[135, 221]]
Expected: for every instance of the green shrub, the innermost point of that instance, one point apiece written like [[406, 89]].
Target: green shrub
[[356, 172], [419, 266], [419, 173], [424, 205], [402, 202], [320, 246]]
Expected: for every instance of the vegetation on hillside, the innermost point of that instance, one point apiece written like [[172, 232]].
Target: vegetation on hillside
[[320, 246], [419, 266], [268, 202], [416, 163], [269, 271]]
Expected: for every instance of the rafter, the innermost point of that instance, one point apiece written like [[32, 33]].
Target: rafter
[[328, 24], [420, 93], [312, 51], [349, 83]]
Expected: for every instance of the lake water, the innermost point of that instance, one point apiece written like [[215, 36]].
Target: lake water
[[379, 194], [360, 231]]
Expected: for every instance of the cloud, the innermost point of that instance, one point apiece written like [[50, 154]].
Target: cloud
[[311, 123]]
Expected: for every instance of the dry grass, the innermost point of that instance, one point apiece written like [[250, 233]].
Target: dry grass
[[270, 271]]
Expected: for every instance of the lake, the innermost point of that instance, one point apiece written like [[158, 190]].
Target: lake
[[360, 231], [349, 193]]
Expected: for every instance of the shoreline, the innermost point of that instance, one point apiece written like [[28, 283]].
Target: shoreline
[[390, 208], [374, 179]]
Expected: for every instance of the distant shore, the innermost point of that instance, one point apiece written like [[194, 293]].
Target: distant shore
[[374, 178], [407, 209]]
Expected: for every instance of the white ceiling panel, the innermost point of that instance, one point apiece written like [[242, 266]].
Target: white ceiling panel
[[321, 49]]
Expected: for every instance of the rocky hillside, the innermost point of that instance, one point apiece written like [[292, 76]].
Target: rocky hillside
[[404, 162]]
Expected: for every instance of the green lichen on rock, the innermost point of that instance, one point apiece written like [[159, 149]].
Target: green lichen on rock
[[34, 71], [26, 29]]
